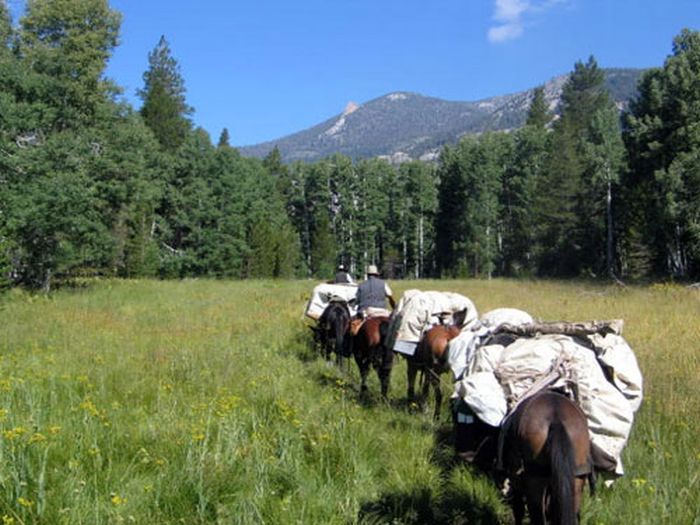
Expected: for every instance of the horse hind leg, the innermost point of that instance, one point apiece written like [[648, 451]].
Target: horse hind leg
[[536, 497], [411, 372], [517, 503], [384, 380], [435, 381], [384, 370], [425, 387], [363, 367], [364, 372]]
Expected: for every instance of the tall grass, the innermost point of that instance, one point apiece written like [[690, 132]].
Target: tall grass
[[201, 402]]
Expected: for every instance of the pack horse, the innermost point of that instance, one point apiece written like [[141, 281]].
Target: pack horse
[[547, 455]]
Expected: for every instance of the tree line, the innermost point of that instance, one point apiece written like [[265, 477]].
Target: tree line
[[90, 185]]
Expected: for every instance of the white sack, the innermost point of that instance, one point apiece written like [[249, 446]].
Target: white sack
[[324, 293], [417, 311]]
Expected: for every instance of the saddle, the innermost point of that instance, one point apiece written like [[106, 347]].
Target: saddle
[[355, 325]]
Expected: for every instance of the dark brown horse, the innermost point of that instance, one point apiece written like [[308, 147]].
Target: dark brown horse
[[430, 358], [369, 351], [547, 456], [332, 331]]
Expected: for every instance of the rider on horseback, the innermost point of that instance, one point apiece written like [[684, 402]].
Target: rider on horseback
[[342, 276], [372, 295]]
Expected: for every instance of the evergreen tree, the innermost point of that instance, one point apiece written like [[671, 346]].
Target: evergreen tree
[[419, 189], [518, 196], [69, 42], [323, 248], [224, 138], [538, 114], [126, 172], [605, 155], [7, 107], [188, 207], [164, 108], [568, 200], [293, 187], [451, 216], [6, 31], [468, 222], [518, 199], [664, 148], [377, 190], [64, 197], [273, 162]]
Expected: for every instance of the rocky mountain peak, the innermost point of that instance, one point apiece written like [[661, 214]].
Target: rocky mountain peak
[[402, 126]]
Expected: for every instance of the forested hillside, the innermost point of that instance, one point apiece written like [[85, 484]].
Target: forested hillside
[[91, 186]]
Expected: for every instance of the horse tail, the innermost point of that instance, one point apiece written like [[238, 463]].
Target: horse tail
[[383, 332], [341, 328], [563, 466]]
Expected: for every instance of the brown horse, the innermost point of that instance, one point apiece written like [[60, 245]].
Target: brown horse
[[369, 351], [430, 358], [547, 455]]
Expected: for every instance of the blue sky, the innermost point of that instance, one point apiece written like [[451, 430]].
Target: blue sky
[[267, 68]]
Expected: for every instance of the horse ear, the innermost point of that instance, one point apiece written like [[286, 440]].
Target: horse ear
[[459, 318]]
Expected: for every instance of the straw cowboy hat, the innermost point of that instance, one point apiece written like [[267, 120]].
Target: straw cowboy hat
[[372, 270]]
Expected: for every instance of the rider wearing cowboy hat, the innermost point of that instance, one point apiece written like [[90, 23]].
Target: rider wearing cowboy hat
[[373, 293]]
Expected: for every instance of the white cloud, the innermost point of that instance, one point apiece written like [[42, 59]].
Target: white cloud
[[510, 10], [505, 32], [510, 16]]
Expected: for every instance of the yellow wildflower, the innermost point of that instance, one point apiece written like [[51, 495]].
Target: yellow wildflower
[[37, 438], [117, 500], [89, 407], [14, 433], [25, 502]]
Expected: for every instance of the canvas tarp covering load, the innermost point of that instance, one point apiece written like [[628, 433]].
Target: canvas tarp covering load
[[592, 361], [466, 343], [324, 293], [417, 311]]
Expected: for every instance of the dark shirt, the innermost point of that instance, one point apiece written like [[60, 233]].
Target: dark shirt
[[372, 293], [342, 277]]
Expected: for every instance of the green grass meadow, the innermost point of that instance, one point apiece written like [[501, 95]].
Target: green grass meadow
[[202, 402]]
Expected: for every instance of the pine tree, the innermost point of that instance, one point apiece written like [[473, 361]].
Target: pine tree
[[538, 114], [323, 248], [419, 189], [6, 31], [568, 202], [664, 149], [377, 191], [69, 42], [468, 226], [164, 108], [519, 200], [224, 139]]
